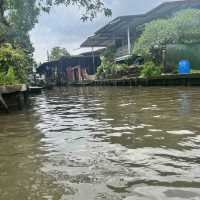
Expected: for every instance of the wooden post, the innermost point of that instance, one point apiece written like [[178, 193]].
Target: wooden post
[[26, 95], [164, 57], [3, 102], [20, 102]]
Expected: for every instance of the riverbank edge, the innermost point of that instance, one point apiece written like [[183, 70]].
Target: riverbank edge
[[163, 80]]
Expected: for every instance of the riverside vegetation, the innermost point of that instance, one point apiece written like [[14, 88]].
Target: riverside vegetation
[[183, 28], [13, 65]]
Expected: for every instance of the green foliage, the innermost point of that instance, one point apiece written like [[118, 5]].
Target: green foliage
[[17, 18], [107, 63], [2, 78], [156, 34], [13, 62], [150, 69], [9, 78], [57, 53], [119, 68], [109, 54], [107, 69], [183, 28], [104, 68]]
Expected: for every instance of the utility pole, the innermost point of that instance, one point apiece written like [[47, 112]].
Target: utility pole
[[93, 60], [129, 40], [48, 56]]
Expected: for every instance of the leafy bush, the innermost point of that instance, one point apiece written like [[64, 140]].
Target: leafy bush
[[9, 78], [104, 68], [109, 69], [119, 68], [13, 64], [2, 78], [150, 69], [109, 54], [107, 62]]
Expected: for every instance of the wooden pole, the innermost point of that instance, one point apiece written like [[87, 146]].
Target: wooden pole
[[164, 49], [3, 102], [93, 60]]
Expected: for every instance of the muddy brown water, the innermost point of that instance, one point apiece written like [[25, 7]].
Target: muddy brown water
[[103, 144]]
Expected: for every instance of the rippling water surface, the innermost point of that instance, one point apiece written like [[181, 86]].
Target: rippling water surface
[[103, 144]]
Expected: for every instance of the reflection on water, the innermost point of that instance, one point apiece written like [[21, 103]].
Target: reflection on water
[[103, 143]]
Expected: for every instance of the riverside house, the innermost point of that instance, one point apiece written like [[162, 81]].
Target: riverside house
[[69, 69]]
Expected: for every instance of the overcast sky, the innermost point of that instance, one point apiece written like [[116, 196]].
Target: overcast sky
[[62, 27]]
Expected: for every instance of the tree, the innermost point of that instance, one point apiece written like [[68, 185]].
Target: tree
[[58, 52], [184, 28], [17, 18]]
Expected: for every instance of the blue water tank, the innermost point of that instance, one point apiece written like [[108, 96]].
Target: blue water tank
[[184, 67]]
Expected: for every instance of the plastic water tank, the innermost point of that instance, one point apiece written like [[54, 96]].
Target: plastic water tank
[[184, 67]]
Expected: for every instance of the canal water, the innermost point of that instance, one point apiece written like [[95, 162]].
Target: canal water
[[112, 143]]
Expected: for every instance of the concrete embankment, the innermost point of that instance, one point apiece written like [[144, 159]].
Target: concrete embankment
[[164, 80]]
